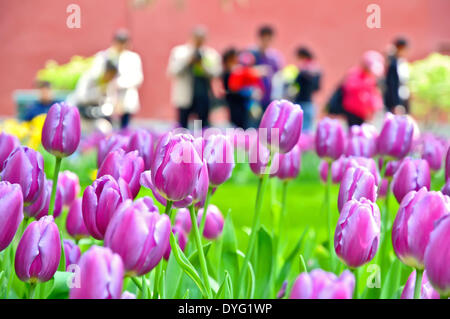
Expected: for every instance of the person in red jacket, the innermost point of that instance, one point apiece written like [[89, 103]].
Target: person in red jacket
[[361, 96]]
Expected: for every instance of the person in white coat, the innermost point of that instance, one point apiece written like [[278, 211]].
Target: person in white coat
[[191, 67]]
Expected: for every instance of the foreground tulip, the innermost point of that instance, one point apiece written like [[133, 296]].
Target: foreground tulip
[[357, 183], [412, 175], [139, 236], [414, 222], [142, 141], [330, 139], [181, 237], [25, 167], [288, 164], [11, 212], [74, 223], [101, 275], [100, 201], [282, 121], [319, 284], [427, 291], [69, 184], [437, 256], [7, 144], [72, 252], [214, 222], [362, 141], [396, 136], [39, 251], [357, 232], [128, 166], [218, 152], [110, 144]]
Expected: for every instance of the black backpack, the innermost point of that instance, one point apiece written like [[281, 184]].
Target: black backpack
[[334, 105]]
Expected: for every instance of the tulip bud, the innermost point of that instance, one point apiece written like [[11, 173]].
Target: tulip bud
[[110, 144], [342, 164], [61, 130], [319, 284], [139, 236], [357, 232], [427, 291], [39, 251], [11, 212], [69, 185], [7, 144], [213, 223], [25, 166], [40, 207], [288, 164], [128, 166], [142, 141], [183, 219], [287, 119], [412, 175], [74, 223], [396, 136], [100, 201], [181, 237], [357, 183], [414, 222], [330, 139], [258, 158], [72, 252], [433, 152], [218, 152], [101, 275], [362, 141], [437, 255]]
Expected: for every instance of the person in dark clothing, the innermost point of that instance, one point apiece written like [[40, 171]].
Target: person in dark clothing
[[308, 82], [396, 94], [44, 103]]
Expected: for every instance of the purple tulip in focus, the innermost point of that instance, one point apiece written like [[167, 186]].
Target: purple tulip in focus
[[69, 185], [437, 255], [357, 183], [62, 130], [181, 237], [183, 219], [101, 275], [319, 284], [110, 144], [288, 164], [7, 144], [427, 291], [412, 175], [25, 166], [218, 152], [72, 252], [396, 136], [357, 232], [343, 163], [330, 139], [11, 212], [139, 236], [142, 141], [40, 207], [100, 201], [74, 223], [39, 251], [414, 222], [214, 222]]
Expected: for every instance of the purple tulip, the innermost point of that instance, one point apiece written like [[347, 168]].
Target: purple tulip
[[414, 222], [100, 201], [258, 158], [357, 183], [330, 138], [25, 166], [39, 251], [128, 166], [357, 232], [110, 144], [183, 219], [72, 252], [7, 144], [74, 223], [288, 164], [214, 222], [342, 164], [218, 152], [181, 237], [40, 207], [62, 130], [391, 168], [139, 236], [362, 141], [282, 119], [175, 157], [396, 136], [101, 275], [433, 152], [383, 188], [427, 291], [142, 141], [412, 175], [69, 185], [319, 284], [323, 170], [11, 212], [437, 255], [446, 188]]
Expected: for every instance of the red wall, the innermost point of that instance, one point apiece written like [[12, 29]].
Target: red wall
[[33, 31]]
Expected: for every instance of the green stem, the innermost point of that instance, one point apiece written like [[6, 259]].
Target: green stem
[[205, 209], [418, 284], [443, 297], [168, 210], [201, 255], [31, 290], [158, 269], [329, 224], [137, 283], [55, 184], [356, 274], [283, 208]]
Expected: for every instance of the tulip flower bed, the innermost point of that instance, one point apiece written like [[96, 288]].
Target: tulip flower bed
[[363, 214]]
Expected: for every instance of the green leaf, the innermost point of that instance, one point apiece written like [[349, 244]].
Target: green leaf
[[263, 265], [173, 277], [302, 265], [251, 282], [60, 287], [392, 282], [62, 261], [193, 258], [229, 260]]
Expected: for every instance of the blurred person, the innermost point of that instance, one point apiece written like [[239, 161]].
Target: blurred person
[[361, 96], [396, 94], [42, 105], [307, 82], [192, 66]]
